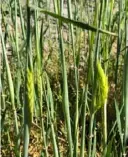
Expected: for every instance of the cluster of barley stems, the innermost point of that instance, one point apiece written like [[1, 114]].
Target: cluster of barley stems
[[92, 58]]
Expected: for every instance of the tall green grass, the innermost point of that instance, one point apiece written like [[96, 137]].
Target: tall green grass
[[64, 73]]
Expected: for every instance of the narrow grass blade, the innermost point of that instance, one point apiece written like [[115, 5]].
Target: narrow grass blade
[[11, 89], [76, 23], [82, 148], [126, 88], [50, 105], [119, 123]]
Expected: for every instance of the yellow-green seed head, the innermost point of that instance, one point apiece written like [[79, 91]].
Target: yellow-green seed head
[[30, 95], [101, 91]]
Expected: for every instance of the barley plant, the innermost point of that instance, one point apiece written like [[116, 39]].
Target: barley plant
[[64, 78]]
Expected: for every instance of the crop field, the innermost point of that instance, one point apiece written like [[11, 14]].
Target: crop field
[[64, 78]]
